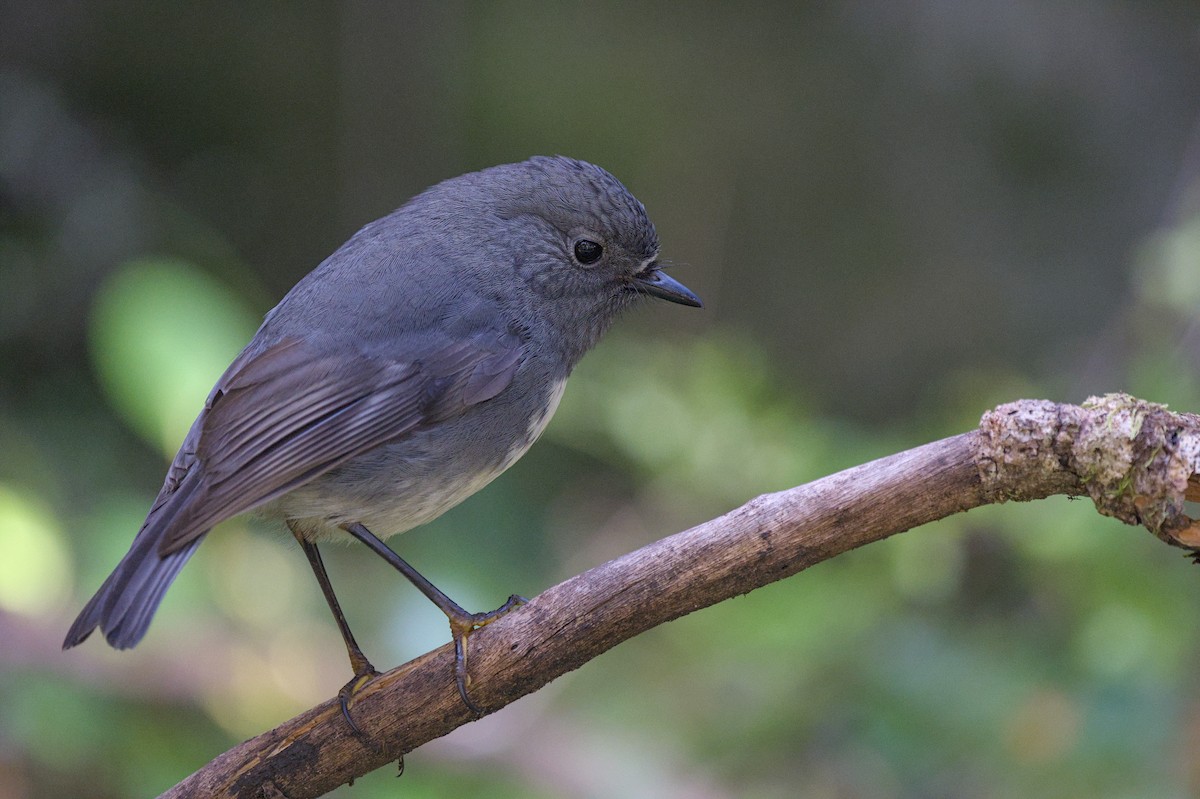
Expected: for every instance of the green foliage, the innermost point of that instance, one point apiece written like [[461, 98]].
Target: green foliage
[[34, 572], [162, 332], [1017, 650], [897, 219]]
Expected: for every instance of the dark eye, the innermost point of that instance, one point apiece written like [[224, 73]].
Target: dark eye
[[588, 251]]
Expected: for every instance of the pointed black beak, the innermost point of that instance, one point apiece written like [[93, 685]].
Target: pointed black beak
[[658, 283]]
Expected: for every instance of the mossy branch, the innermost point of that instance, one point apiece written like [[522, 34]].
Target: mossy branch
[[1136, 460]]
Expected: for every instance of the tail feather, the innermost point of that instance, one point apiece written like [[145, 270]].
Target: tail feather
[[125, 603]]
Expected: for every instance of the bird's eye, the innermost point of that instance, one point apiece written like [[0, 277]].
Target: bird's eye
[[588, 251]]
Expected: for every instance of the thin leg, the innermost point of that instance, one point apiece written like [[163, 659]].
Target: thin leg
[[364, 672], [462, 623]]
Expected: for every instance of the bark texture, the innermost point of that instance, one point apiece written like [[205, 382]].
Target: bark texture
[[1136, 460]]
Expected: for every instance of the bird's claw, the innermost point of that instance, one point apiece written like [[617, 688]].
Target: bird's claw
[[461, 628], [346, 695]]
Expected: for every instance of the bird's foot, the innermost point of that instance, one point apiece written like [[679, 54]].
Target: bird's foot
[[364, 673], [461, 627]]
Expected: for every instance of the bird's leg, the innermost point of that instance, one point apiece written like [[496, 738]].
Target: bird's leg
[[462, 623], [364, 672]]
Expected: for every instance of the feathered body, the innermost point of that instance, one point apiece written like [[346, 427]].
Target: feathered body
[[404, 373]]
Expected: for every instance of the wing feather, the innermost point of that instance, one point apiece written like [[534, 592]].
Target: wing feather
[[286, 417], [277, 418]]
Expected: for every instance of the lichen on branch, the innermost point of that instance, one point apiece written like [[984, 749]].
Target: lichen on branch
[[1135, 459], [1132, 457]]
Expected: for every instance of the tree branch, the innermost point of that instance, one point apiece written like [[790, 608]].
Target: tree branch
[[1136, 460]]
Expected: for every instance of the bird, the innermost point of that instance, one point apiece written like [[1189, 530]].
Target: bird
[[409, 369]]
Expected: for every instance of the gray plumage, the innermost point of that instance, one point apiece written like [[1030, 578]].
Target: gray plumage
[[404, 373]]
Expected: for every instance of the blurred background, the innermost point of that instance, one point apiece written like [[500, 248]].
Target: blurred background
[[899, 214]]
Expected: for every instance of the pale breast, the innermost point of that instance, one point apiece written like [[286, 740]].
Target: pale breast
[[404, 484], [537, 424]]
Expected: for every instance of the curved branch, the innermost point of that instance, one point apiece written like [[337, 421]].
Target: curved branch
[[1135, 459]]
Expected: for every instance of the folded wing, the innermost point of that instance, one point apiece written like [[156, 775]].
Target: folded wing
[[277, 419]]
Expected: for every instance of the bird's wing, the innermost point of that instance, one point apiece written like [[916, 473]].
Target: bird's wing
[[281, 417]]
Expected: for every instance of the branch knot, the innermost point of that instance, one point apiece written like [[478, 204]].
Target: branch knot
[[1133, 458]]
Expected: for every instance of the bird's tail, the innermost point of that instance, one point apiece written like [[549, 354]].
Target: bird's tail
[[125, 604]]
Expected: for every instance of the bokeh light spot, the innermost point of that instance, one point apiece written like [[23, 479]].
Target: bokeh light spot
[[162, 332], [35, 572]]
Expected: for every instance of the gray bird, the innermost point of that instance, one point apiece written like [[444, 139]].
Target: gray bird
[[402, 375]]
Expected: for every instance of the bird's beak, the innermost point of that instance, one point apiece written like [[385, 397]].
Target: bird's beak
[[657, 283]]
